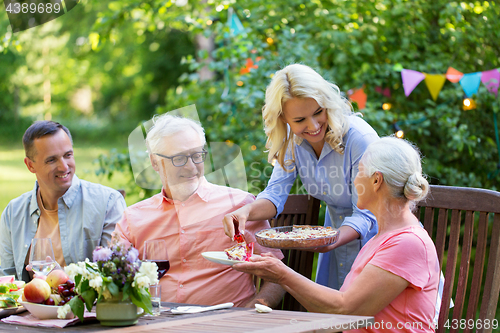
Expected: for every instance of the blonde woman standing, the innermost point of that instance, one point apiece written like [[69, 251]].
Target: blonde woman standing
[[313, 133]]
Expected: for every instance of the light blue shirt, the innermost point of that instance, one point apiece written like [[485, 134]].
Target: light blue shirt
[[87, 215], [330, 178]]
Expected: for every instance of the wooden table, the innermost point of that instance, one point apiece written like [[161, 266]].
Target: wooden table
[[226, 320]]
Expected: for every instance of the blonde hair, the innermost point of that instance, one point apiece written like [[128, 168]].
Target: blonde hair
[[300, 81], [399, 162]]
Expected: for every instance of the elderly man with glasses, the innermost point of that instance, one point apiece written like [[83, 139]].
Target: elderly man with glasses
[[187, 214]]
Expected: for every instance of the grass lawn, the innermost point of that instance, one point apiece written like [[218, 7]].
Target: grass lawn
[[15, 178]]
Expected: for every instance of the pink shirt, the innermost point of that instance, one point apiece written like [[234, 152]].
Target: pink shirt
[[190, 228], [409, 253]]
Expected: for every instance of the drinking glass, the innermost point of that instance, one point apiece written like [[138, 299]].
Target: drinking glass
[[156, 251], [42, 260], [155, 292]]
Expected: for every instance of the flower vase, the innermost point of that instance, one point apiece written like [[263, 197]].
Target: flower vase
[[117, 312]]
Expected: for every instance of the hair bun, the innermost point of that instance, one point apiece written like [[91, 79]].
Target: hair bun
[[416, 187]]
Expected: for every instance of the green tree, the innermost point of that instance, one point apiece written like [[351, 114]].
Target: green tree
[[128, 54], [355, 43]]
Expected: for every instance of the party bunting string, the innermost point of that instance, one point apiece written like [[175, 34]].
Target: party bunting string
[[411, 79], [470, 82]]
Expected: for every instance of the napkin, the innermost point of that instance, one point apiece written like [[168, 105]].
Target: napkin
[[28, 319]]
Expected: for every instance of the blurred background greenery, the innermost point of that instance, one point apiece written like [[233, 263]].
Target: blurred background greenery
[[107, 66]]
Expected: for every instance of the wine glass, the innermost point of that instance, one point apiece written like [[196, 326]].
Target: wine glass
[[42, 260], [156, 251]]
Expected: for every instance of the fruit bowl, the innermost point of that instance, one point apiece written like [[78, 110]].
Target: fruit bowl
[[42, 311]]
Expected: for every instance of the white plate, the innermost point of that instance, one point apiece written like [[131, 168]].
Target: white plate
[[42, 311], [220, 257], [5, 312]]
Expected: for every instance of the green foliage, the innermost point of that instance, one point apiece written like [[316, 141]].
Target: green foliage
[[119, 162], [137, 58], [142, 299], [89, 297], [359, 43], [77, 307], [101, 62]]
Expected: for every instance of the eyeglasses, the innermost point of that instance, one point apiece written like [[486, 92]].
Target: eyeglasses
[[181, 160]]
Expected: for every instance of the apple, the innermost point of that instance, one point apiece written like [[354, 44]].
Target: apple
[[56, 278], [37, 291]]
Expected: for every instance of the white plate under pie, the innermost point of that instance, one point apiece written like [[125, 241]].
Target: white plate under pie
[[220, 257]]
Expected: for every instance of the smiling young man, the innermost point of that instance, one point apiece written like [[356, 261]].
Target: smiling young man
[[75, 214], [187, 214]]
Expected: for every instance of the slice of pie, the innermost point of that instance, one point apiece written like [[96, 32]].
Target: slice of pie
[[240, 252]]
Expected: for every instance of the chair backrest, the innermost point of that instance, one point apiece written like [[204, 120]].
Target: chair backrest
[[464, 224], [300, 209]]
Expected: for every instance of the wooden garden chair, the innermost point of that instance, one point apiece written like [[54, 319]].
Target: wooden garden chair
[[303, 210], [464, 224]]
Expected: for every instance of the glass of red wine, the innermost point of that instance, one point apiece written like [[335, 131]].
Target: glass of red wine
[[156, 251]]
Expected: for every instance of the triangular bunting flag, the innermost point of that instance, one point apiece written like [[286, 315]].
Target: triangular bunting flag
[[491, 79], [470, 83], [453, 75], [434, 83], [358, 96], [411, 79], [235, 24]]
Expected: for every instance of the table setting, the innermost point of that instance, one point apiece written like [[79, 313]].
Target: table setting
[[117, 291], [116, 282]]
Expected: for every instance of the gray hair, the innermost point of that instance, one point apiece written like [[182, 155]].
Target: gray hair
[[399, 162], [166, 125]]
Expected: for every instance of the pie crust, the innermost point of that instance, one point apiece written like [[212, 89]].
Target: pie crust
[[297, 237]]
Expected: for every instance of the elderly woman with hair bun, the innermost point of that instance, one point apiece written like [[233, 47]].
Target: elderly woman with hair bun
[[313, 133], [396, 274]]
